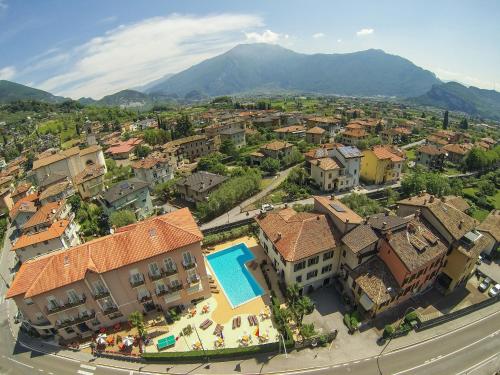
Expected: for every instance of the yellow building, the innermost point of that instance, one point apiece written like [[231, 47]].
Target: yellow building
[[380, 165]]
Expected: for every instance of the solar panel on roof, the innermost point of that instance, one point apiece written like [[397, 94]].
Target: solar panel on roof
[[337, 207]]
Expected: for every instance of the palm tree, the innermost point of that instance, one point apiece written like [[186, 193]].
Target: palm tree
[[303, 306], [136, 319], [293, 294]]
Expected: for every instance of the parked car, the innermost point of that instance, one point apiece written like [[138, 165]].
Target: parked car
[[479, 260], [494, 290], [484, 284], [267, 207]]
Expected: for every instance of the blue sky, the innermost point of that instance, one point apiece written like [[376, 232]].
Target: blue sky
[[96, 47]]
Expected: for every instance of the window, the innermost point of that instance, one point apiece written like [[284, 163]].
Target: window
[[298, 279], [52, 302], [135, 276], [187, 258], [312, 274], [328, 255], [299, 266], [28, 301], [45, 242], [326, 269], [169, 264], [99, 287], [313, 261], [154, 269], [72, 295], [344, 253]]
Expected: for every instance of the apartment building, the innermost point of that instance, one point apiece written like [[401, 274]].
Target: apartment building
[[150, 265], [331, 125], [154, 169], [90, 181], [192, 147], [290, 132], [430, 157], [131, 194], [276, 150], [197, 186], [317, 135], [381, 165], [302, 247], [353, 137]]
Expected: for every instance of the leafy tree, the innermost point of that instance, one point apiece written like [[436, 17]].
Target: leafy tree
[[270, 165], [307, 330], [156, 136], [361, 204], [476, 160], [142, 151], [486, 187], [293, 157], [419, 180], [212, 163], [227, 147], [464, 124], [136, 320], [166, 190], [75, 202], [184, 127], [445, 120], [103, 223], [121, 218]]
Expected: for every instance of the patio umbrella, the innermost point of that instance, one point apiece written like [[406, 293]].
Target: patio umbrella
[[128, 341], [101, 340]]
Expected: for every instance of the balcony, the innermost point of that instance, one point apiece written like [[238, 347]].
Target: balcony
[[137, 281], [161, 292], [110, 310], [175, 288], [170, 271], [156, 276], [41, 324], [145, 298], [193, 279], [67, 305], [80, 319], [189, 264], [101, 294]]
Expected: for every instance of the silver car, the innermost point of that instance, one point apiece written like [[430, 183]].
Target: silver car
[[494, 290], [484, 285]]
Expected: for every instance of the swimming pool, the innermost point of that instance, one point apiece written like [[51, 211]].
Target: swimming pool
[[236, 280]]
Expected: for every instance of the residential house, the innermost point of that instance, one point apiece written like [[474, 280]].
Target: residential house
[[381, 165], [325, 173], [152, 265], [57, 192], [197, 186], [22, 211], [316, 135], [360, 244], [123, 149], [396, 135], [343, 218], [302, 247], [456, 153], [131, 194], [22, 190], [349, 159], [192, 147], [490, 227], [50, 228], [353, 137], [66, 163], [90, 181], [330, 124], [6, 199], [436, 141], [235, 135], [154, 169], [276, 150], [430, 157], [290, 132], [459, 232]]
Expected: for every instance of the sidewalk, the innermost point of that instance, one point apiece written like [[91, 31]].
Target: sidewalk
[[353, 348]]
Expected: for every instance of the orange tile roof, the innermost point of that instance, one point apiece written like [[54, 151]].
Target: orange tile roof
[[325, 120], [46, 213], [383, 153], [315, 130], [130, 244], [347, 215], [21, 189], [430, 150], [276, 145], [355, 133], [55, 230], [125, 146], [297, 235], [326, 164], [148, 162], [290, 129], [21, 205]]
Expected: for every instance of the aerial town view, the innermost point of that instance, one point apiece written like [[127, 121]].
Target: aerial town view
[[265, 187]]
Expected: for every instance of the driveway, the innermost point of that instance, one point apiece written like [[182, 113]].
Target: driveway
[[491, 269]]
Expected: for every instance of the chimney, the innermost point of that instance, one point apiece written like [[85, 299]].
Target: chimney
[[417, 213], [443, 199], [279, 236], [346, 226], [460, 224], [318, 217], [431, 199], [384, 224], [388, 235]]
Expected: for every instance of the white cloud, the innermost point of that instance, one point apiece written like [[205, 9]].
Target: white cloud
[[364, 32], [3, 4], [132, 55], [108, 19], [318, 35], [465, 79], [267, 36], [339, 40], [8, 72]]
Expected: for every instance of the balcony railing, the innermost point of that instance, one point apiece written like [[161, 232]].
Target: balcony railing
[[101, 294], [145, 298], [80, 319], [161, 292], [110, 310], [193, 279], [156, 276], [189, 264], [137, 281], [175, 288], [170, 271], [67, 305]]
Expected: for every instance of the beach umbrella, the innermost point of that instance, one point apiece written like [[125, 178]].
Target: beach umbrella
[[101, 340], [128, 341]]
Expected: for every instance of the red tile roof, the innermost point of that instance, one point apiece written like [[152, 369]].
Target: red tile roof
[[383, 153], [25, 203], [55, 230], [130, 244]]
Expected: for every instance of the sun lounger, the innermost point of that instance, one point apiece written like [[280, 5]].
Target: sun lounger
[[206, 323], [213, 286], [250, 320], [235, 323], [239, 321], [218, 330], [254, 320], [215, 291], [166, 342]]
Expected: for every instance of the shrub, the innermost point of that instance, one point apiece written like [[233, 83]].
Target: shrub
[[411, 316], [388, 331]]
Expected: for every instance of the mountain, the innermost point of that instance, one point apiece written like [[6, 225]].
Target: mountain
[[126, 98], [456, 97], [147, 86], [11, 91], [251, 68]]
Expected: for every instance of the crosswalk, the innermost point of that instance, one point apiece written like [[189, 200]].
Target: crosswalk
[[86, 369]]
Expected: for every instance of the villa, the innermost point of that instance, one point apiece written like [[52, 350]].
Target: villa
[[132, 194], [381, 164]]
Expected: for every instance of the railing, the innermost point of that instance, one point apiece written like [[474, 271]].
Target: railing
[[161, 292], [156, 276], [101, 294], [170, 271], [68, 305], [194, 279], [134, 282], [80, 319], [109, 310], [145, 298], [175, 288], [189, 265]]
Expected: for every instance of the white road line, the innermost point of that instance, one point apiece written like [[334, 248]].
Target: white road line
[[478, 365], [448, 354], [88, 367], [81, 372], [19, 363]]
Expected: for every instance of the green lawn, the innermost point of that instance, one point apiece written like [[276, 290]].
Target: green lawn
[[410, 154], [479, 214], [451, 171]]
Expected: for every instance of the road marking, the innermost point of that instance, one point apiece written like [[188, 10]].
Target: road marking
[[448, 354], [20, 363], [479, 364], [84, 372], [88, 367]]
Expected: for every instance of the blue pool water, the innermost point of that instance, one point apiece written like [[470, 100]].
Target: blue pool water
[[238, 283]]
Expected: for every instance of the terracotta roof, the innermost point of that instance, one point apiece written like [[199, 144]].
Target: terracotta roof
[[90, 172], [25, 204], [316, 130], [492, 225], [489, 140], [458, 202], [416, 246], [21, 189], [325, 164], [129, 245], [355, 133], [297, 235], [430, 150], [61, 155], [402, 131], [125, 146], [325, 120], [149, 162], [181, 141], [344, 215], [290, 129], [374, 278], [46, 213], [359, 238], [54, 231], [276, 146], [55, 189], [435, 139], [383, 153], [354, 126], [456, 149]]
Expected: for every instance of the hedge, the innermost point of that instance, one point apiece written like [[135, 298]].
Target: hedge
[[215, 238], [199, 355]]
